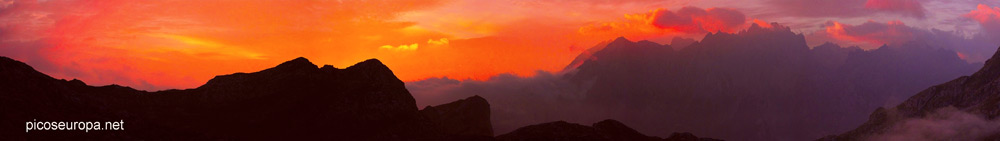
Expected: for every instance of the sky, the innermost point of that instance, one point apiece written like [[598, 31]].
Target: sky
[[179, 44]]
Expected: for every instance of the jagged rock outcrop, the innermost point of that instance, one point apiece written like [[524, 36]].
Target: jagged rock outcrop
[[607, 130], [977, 95], [467, 118]]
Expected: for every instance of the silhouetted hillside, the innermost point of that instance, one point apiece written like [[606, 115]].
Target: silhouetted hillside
[[606, 130], [294, 100], [464, 119]]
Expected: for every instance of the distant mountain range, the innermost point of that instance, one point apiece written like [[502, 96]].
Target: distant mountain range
[[294, 100], [965, 108], [756, 84]]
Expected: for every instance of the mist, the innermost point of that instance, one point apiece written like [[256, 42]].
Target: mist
[[758, 84], [948, 123]]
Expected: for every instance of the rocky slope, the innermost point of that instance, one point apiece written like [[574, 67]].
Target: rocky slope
[[977, 96]]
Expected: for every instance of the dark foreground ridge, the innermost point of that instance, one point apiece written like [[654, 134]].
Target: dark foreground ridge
[[975, 98], [294, 100], [607, 130]]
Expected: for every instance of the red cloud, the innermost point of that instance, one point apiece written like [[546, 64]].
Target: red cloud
[[871, 32], [697, 20], [989, 18], [687, 20], [985, 14], [660, 25], [762, 23]]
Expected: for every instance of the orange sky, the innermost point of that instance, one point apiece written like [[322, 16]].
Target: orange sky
[[155, 45], [181, 44]]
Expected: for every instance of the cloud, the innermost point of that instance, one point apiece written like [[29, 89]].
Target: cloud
[[762, 23], [410, 47], [697, 20], [989, 18], [947, 123], [693, 19], [904, 7], [664, 24], [871, 34], [985, 14], [846, 8], [442, 41]]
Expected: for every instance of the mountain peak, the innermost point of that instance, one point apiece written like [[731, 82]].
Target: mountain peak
[[370, 65], [297, 63], [375, 70], [773, 28], [776, 38], [466, 117], [990, 70], [621, 39], [754, 25], [370, 62], [476, 98]]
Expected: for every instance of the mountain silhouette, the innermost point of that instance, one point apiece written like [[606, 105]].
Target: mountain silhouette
[[294, 100], [466, 119], [976, 95], [606, 130]]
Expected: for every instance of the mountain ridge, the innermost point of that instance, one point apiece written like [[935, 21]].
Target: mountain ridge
[[365, 101], [293, 100]]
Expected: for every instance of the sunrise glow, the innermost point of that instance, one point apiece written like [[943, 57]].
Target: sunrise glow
[[181, 44]]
